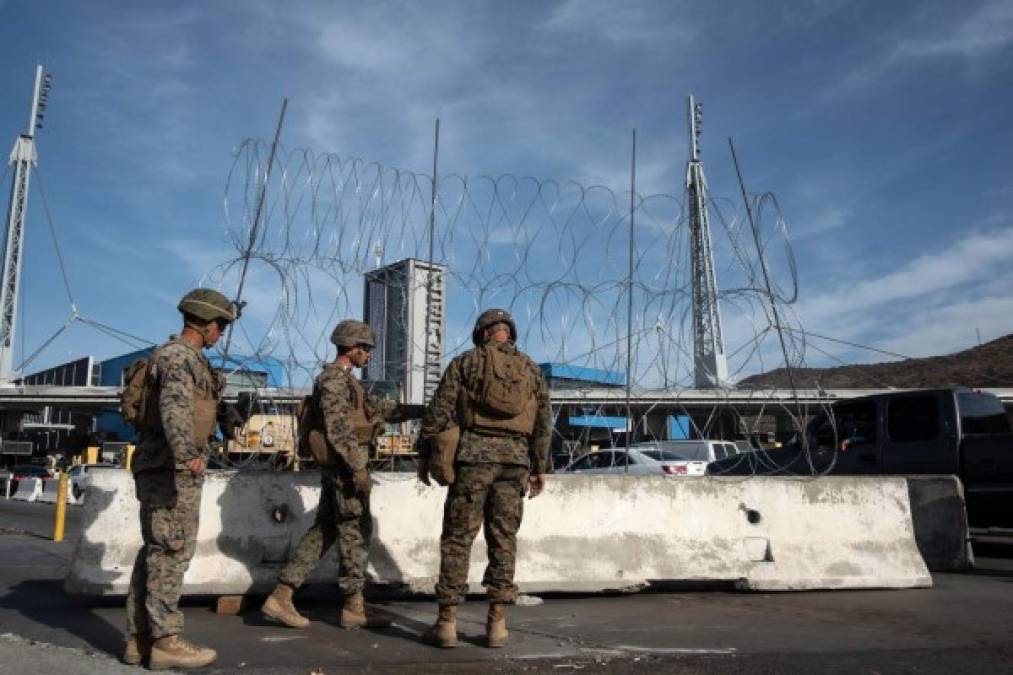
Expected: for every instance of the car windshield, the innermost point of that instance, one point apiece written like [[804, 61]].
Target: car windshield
[[664, 455]]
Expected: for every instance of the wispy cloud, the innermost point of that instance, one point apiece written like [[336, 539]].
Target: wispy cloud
[[894, 310], [953, 326], [971, 41], [145, 99], [621, 24], [980, 34]]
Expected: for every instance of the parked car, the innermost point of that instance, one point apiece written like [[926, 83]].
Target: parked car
[[698, 450], [80, 476], [643, 459], [20, 471]]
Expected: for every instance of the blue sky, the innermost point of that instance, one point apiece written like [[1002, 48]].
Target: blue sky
[[883, 129]]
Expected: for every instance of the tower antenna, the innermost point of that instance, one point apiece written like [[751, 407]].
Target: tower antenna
[[710, 365], [23, 158]]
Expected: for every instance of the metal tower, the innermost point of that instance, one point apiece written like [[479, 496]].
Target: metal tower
[[23, 158], [710, 366]]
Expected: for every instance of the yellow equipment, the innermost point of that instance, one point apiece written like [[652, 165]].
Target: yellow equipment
[[268, 433]]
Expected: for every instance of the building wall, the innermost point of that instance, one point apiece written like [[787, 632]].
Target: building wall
[[399, 308]]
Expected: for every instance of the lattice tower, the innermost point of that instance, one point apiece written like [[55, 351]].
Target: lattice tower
[[23, 158], [710, 365]]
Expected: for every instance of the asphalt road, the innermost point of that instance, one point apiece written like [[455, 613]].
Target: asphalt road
[[963, 624]]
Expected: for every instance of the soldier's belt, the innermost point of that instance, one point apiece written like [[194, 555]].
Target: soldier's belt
[[496, 433]]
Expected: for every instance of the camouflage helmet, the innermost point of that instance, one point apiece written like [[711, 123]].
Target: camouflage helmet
[[352, 333], [491, 317], [208, 304]]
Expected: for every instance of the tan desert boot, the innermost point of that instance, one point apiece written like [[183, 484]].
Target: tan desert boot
[[279, 607], [495, 625], [353, 614], [443, 633], [136, 649], [175, 652]]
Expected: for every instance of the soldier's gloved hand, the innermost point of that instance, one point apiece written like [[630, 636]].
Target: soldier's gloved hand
[[360, 482]]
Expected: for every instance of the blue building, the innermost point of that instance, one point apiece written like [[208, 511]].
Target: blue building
[[561, 376]]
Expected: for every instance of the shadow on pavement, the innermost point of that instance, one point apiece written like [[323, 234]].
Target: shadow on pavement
[[45, 601]]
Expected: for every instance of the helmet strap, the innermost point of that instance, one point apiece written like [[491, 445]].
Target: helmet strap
[[201, 330]]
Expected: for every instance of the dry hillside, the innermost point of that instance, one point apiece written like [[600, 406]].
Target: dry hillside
[[987, 365]]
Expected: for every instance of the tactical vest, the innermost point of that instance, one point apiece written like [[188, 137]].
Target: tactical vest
[[205, 403], [359, 417], [207, 389], [205, 409], [313, 427], [502, 400]]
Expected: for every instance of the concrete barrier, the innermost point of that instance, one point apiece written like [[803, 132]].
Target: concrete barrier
[[939, 517], [585, 533], [51, 489], [28, 490]]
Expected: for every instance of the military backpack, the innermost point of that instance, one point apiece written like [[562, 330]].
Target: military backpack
[[502, 400], [506, 384], [138, 402], [312, 436]]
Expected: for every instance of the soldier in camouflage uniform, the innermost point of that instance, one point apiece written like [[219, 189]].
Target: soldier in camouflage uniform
[[351, 420], [501, 457], [168, 468]]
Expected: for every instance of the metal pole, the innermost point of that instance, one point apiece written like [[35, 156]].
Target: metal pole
[[256, 217], [430, 273], [61, 506], [629, 303], [770, 293]]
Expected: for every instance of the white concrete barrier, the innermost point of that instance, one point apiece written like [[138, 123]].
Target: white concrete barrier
[[28, 490], [584, 533], [51, 489]]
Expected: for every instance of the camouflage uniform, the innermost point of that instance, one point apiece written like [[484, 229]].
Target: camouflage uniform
[[169, 494], [491, 476], [343, 515]]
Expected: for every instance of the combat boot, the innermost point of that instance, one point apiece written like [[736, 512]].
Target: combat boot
[[495, 625], [175, 652], [353, 614], [279, 607], [137, 648], [443, 633]]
